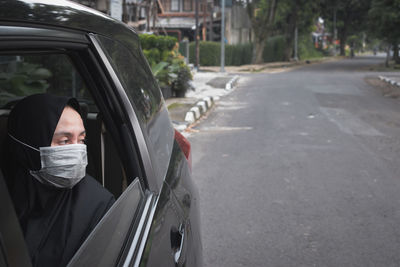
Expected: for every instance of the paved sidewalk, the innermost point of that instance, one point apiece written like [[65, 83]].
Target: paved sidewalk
[[208, 87]]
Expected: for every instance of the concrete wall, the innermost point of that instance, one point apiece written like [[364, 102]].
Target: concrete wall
[[238, 25]]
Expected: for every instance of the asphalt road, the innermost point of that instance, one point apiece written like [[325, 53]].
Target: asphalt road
[[301, 168]]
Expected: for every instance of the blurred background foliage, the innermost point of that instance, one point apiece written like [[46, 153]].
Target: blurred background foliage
[[167, 64]]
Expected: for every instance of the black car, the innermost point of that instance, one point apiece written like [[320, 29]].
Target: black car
[[63, 48]]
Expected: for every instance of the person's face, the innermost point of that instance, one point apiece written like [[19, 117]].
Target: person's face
[[70, 129]]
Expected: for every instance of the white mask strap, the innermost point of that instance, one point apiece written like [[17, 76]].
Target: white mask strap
[[15, 139]]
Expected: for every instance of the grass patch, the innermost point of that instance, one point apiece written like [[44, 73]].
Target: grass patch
[[382, 68], [175, 105], [387, 89]]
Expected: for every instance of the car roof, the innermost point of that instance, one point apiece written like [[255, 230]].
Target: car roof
[[61, 13]]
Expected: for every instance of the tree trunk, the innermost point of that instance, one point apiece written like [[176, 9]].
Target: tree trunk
[[290, 31], [258, 51], [351, 49], [343, 39], [148, 3], [396, 53], [387, 56], [287, 55], [262, 28]]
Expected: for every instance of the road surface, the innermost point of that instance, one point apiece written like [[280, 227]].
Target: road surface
[[301, 168]]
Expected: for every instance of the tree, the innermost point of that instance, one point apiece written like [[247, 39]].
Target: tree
[[262, 15], [351, 17], [270, 17], [300, 14], [384, 21]]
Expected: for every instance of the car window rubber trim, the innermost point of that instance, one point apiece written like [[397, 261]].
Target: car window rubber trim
[[138, 243]]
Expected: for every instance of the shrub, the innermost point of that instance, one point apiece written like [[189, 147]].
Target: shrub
[[152, 55], [274, 49], [210, 54], [150, 41], [306, 48], [240, 54], [167, 64]]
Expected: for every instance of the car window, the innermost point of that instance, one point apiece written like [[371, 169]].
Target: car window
[[26, 74], [52, 72], [137, 80], [103, 246], [142, 90]]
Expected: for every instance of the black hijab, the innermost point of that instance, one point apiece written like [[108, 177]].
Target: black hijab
[[54, 221]]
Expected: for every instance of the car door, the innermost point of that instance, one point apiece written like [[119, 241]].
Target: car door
[[166, 234], [144, 204]]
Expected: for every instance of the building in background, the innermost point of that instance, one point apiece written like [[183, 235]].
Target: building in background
[[177, 17]]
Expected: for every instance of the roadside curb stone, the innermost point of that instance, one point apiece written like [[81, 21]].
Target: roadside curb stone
[[203, 105], [199, 109], [231, 83], [389, 80]]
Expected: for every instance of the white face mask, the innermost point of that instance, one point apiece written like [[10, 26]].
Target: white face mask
[[61, 166]]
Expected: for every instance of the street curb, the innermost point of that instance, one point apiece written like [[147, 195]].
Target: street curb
[[202, 106], [199, 109], [231, 83], [196, 112], [388, 80]]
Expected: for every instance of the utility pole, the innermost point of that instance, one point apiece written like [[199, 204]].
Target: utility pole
[[296, 40], [204, 30], [211, 27], [334, 31], [223, 36], [197, 35]]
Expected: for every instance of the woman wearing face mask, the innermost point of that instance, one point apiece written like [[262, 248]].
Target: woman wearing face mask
[[57, 204]]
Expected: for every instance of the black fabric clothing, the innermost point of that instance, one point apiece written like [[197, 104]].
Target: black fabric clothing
[[54, 221]]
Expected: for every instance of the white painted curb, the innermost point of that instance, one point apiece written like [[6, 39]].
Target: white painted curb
[[388, 80], [190, 117], [208, 101], [231, 83], [196, 111], [202, 106]]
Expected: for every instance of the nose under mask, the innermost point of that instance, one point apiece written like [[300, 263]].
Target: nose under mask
[[61, 166]]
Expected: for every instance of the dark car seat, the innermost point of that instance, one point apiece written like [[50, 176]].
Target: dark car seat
[[103, 159]]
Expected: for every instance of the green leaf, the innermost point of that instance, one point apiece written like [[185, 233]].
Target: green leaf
[[158, 68]]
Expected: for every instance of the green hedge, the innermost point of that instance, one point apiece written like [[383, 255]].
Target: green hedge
[[210, 54], [236, 55], [150, 41], [157, 48], [306, 48], [276, 45], [274, 49]]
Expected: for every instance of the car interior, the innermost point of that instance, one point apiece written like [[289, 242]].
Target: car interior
[[22, 75]]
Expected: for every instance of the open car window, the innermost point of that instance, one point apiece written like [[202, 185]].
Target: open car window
[[31, 72], [49, 72]]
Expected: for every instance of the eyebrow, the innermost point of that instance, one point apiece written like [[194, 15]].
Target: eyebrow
[[68, 134]]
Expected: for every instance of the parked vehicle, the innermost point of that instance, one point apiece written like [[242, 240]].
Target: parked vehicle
[[63, 48]]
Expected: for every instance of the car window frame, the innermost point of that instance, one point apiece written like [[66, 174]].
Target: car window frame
[[106, 99], [133, 254], [134, 125]]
